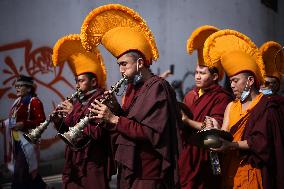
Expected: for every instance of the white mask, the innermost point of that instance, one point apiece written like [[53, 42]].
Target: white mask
[[245, 93], [266, 91], [138, 77]]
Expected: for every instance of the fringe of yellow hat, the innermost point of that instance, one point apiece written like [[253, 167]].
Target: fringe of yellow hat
[[273, 58], [128, 31], [236, 52], [70, 49], [196, 42]]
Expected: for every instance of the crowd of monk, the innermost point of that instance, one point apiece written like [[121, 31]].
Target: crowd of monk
[[150, 140]]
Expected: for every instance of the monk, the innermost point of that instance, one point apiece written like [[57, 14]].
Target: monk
[[254, 158], [207, 98], [88, 162], [273, 58], [194, 162], [148, 141]]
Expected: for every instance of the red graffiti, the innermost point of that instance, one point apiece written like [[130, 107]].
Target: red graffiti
[[37, 62]]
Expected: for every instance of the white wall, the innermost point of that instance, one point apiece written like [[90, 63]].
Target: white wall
[[171, 21]]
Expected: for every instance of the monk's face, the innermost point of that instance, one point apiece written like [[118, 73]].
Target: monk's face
[[271, 83], [84, 83], [203, 77], [129, 66], [239, 82]]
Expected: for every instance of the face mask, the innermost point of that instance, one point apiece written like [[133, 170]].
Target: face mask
[[245, 93], [266, 91], [138, 78]]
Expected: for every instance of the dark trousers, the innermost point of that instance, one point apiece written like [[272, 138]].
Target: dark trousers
[[22, 179]]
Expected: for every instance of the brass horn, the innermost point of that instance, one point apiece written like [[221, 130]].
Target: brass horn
[[35, 134], [73, 133]]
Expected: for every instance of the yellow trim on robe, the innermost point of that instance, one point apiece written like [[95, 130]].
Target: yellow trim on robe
[[200, 92], [15, 135]]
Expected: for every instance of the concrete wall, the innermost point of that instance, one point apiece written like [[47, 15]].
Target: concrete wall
[[43, 22]]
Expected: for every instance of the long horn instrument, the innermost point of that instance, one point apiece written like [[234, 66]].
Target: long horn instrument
[[73, 133], [35, 134]]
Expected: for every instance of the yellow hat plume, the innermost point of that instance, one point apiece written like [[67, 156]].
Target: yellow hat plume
[[103, 19], [70, 49]]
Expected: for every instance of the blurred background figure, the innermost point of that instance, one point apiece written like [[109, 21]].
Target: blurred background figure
[[273, 58], [21, 157]]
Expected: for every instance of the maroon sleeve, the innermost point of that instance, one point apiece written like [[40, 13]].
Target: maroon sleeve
[[276, 130], [258, 139], [154, 118], [132, 129], [60, 126], [37, 115], [189, 98], [94, 130], [217, 112], [68, 121], [266, 141]]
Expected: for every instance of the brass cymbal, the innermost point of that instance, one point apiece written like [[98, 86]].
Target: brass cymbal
[[210, 137]]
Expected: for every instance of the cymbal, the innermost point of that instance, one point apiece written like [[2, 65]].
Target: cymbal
[[209, 137]]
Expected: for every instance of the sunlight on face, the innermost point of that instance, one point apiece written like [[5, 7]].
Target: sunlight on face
[[238, 83], [127, 66], [203, 77]]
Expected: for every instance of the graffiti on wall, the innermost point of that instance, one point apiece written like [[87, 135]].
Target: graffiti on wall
[[20, 58]]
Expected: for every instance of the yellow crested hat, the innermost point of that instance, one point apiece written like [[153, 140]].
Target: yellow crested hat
[[119, 29], [273, 58], [70, 49], [236, 53], [196, 42]]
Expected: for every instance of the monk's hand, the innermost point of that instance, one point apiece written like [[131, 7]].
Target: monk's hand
[[101, 111], [112, 102], [66, 107], [56, 118], [211, 122]]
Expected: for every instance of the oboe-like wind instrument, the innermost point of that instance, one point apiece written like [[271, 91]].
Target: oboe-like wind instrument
[[73, 133], [35, 134]]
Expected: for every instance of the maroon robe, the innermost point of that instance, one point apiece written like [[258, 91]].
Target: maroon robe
[[264, 133], [194, 163], [148, 140], [90, 166], [278, 99]]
